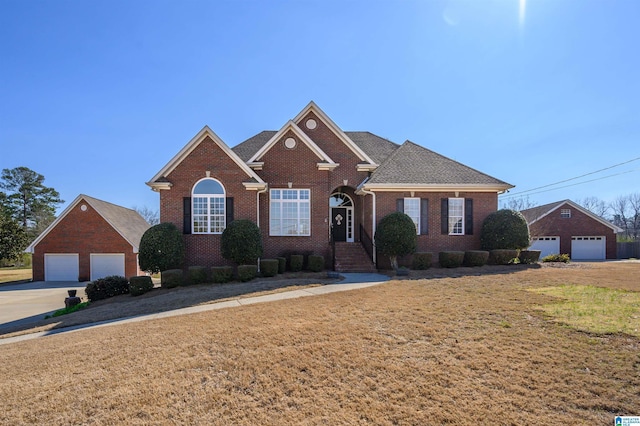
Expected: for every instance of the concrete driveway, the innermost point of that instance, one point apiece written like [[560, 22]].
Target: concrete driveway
[[30, 302]]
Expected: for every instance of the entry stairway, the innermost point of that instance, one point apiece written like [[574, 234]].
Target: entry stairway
[[352, 257]]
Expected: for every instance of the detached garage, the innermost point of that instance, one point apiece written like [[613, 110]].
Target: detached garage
[[91, 239], [566, 227]]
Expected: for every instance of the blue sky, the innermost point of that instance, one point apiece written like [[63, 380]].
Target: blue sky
[[99, 95]]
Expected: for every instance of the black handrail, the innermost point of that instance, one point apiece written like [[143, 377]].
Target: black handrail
[[366, 242]]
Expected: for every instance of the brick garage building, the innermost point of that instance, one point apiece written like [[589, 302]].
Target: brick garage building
[[91, 239], [566, 227], [310, 181]]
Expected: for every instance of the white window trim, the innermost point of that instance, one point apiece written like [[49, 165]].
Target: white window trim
[[223, 196], [461, 217], [299, 202], [565, 213], [417, 223]]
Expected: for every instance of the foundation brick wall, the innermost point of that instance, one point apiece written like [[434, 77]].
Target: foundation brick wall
[[83, 232]]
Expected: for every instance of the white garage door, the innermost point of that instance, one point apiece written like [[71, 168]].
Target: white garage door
[[588, 248], [61, 267], [546, 245], [104, 265]]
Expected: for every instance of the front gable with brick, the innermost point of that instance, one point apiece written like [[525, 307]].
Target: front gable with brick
[[311, 182]]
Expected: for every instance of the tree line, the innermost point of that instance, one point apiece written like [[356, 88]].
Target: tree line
[[624, 211]]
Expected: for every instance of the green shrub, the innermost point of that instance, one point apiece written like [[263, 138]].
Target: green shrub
[[171, 278], [396, 236], [475, 258], [241, 242], [502, 257], [140, 285], [557, 258], [269, 267], [295, 262], [316, 263], [106, 287], [221, 274], [247, 272], [69, 310], [529, 256], [282, 264], [421, 260], [161, 248], [451, 259], [197, 275], [504, 229]]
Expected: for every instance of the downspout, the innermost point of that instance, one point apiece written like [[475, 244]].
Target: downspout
[[373, 217]]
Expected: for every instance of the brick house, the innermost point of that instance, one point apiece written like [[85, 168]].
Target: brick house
[[90, 239], [567, 227], [311, 180]]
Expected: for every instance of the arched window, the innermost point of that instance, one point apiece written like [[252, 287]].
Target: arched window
[[208, 209]]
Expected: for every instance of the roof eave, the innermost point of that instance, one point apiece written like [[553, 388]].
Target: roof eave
[[393, 187]]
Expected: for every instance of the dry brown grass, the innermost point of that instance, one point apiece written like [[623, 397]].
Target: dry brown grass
[[466, 350], [13, 274]]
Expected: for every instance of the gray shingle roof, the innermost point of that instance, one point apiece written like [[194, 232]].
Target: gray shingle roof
[[126, 221], [413, 164], [535, 212], [377, 148], [246, 149]]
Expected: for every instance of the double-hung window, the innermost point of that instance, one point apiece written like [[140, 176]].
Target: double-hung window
[[412, 209], [208, 207], [289, 212], [456, 216]]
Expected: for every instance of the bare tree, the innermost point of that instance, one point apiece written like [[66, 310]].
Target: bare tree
[[151, 216], [594, 205], [634, 214], [518, 204], [620, 207]]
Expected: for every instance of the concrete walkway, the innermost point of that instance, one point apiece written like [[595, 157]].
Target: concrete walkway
[[352, 281]]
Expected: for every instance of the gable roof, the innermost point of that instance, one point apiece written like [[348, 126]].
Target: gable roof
[[534, 214], [412, 166], [312, 107], [291, 126], [127, 222], [159, 181]]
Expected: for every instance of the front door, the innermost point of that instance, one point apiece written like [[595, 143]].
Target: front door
[[339, 223]]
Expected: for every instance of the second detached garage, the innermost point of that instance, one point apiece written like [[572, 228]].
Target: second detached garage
[[566, 227], [91, 239]]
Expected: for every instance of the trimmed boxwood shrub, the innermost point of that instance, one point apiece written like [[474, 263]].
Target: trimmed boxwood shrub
[[475, 258], [295, 262], [504, 229], [247, 272], [161, 248], [421, 260], [106, 287], [197, 275], [171, 278], [241, 242], [529, 256], [282, 264], [269, 267], [221, 274], [502, 257], [557, 258], [396, 236], [140, 285], [451, 259], [316, 263]]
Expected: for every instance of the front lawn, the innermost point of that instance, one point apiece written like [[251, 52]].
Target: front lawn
[[461, 350], [15, 274]]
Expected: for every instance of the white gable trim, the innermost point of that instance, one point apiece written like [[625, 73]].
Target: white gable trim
[[188, 148], [74, 203], [335, 129], [300, 134], [578, 207]]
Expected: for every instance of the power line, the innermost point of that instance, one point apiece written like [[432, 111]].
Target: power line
[[574, 178]]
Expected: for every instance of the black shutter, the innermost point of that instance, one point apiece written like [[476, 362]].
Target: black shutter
[[424, 216], [186, 215], [444, 216], [400, 205], [468, 216], [229, 210]]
